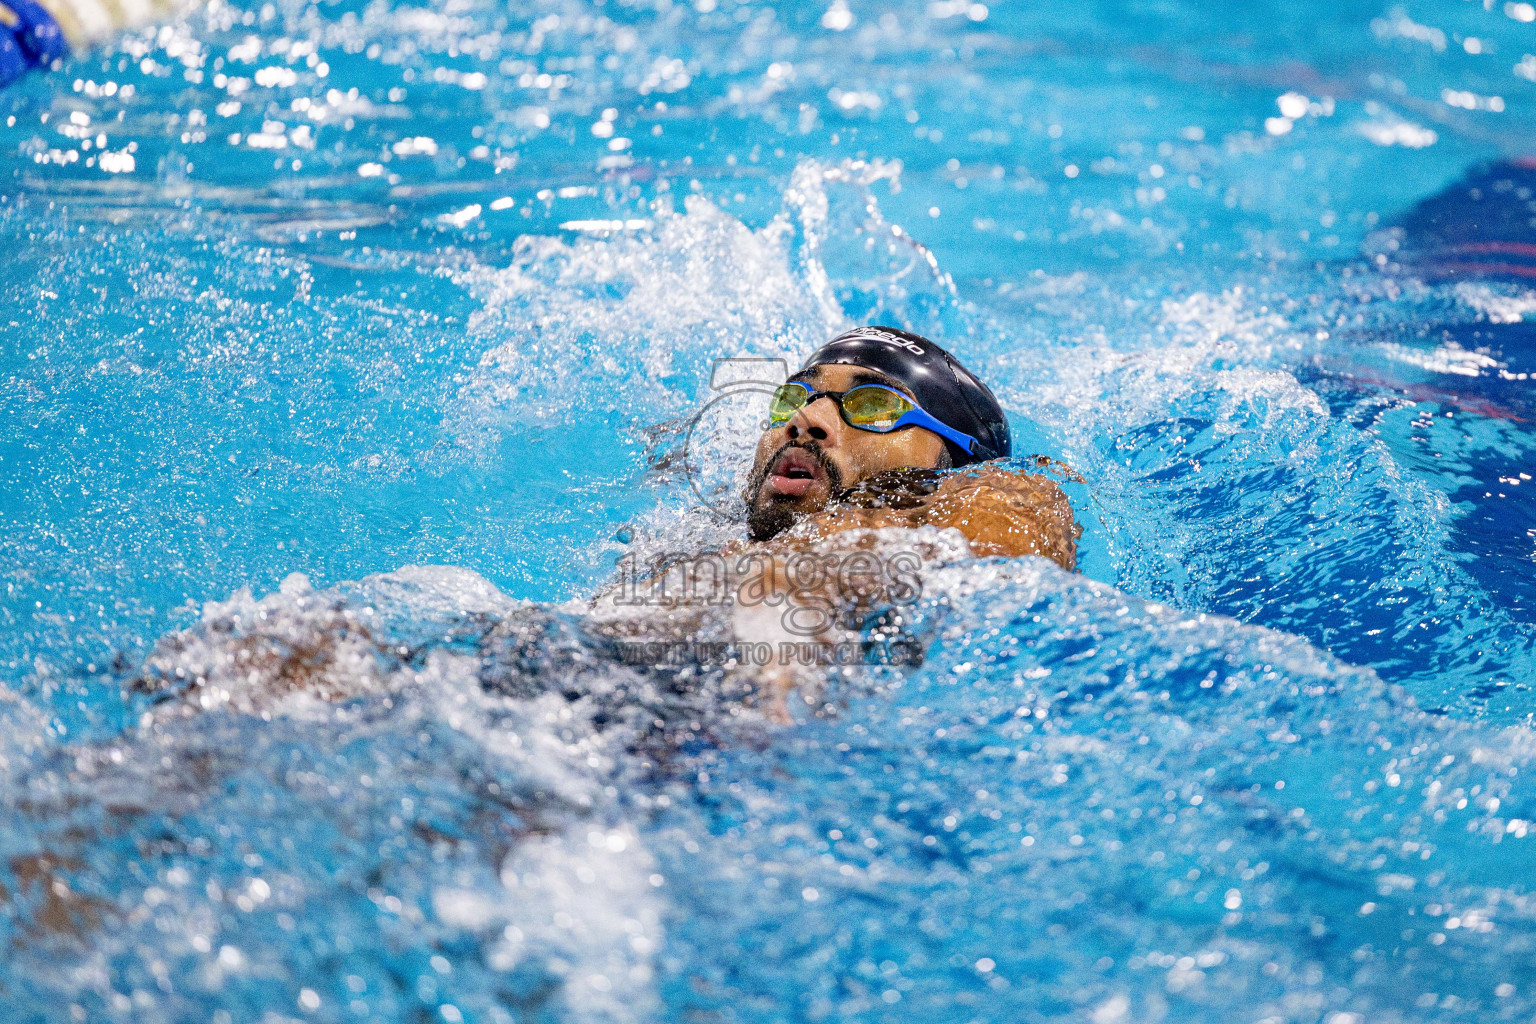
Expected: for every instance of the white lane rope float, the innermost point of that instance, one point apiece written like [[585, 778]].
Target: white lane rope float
[[41, 33]]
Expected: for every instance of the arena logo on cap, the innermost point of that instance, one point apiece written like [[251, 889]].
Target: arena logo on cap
[[876, 334]]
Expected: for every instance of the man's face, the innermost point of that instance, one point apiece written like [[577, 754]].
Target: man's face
[[800, 464]]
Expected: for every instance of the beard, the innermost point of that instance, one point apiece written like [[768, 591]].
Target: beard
[[767, 519]]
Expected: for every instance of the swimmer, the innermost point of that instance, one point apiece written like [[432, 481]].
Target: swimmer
[[881, 444], [883, 448], [884, 428]]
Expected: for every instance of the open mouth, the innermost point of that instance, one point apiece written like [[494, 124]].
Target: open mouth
[[793, 473]]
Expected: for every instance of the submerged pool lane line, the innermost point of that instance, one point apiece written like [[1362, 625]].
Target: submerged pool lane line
[[347, 349], [1481, 228]]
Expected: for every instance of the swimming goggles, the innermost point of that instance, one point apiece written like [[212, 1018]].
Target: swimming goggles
[[872, 407]]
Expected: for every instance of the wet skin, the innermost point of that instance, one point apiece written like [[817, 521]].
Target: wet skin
[[805, 469]]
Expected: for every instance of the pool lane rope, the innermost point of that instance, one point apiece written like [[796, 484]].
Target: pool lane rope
[[42, 33], [30, 38]]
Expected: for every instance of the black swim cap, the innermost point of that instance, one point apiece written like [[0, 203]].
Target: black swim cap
[[944, 389]]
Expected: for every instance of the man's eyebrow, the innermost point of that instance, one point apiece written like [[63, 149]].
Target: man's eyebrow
[[858, 378], [861, 376]]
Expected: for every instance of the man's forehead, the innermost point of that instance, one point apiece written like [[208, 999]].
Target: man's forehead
[[845, 376]]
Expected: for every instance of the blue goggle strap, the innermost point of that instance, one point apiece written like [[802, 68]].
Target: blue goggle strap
[[965, 442]]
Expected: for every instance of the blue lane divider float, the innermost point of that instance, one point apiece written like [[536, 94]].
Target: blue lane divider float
[[29, 38]]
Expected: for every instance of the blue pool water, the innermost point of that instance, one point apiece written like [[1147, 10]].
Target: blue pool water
[[345, 346]]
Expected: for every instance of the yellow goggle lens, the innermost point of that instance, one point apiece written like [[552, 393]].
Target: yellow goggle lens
[[787, 400], [870, 407], [874, 408]]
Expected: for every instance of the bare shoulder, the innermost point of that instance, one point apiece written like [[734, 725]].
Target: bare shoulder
[[1039, 478], [1011, 512], [1000, 511]]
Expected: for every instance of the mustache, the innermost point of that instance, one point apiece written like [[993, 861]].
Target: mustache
[[811, 448]]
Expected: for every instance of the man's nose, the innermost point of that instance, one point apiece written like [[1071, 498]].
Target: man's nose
[[814, 420]]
